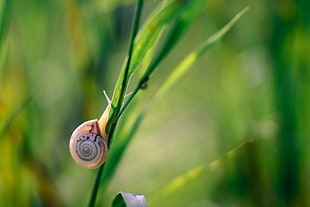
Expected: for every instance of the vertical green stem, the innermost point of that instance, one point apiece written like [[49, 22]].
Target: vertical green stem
[[130, 49], [4, 19], [126, 77], [96, 187], [135, 26], [172, 38]]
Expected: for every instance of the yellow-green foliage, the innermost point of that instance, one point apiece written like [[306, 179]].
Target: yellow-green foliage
[[56, 57]]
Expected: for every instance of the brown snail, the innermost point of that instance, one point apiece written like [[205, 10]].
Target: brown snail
[[88, 143]]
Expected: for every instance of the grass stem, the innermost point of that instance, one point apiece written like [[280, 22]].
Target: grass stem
[[134, 31]]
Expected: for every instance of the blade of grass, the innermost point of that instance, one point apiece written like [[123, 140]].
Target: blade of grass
[[4, 19], [127, 132], [14, 114], [182, 23], [182, 180], [119, 146], [126, 76], [190, 11], [151, 30], [129, 126], [122, 92], [144, 41], [183, 67], [160, 20], [5, 13]]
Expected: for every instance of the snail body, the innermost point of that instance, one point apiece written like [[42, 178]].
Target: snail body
[[88, 143]]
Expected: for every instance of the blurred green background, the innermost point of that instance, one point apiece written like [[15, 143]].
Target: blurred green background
[[57, 56]]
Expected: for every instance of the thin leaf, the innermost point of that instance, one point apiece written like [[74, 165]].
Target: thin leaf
[[124, 199], [119, 146], [125, 74], [152, 29], [122, 84], [13, 115], [185, 65], [190, 10], [186, 18], [5, 11], [131, 127], [145, 41], [128, 130], [181, 181]]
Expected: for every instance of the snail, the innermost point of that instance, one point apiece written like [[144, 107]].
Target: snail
[[88, 143]]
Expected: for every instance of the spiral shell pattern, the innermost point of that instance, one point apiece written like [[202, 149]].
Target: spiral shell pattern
[[87, 147]]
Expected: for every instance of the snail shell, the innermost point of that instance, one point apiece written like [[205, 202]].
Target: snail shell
[[88, 143]]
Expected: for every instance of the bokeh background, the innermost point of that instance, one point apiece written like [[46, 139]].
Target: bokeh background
[[57, 56]]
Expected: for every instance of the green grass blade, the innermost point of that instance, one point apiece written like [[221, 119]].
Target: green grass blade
[[19, 109], [122, 84], [128, 131], [184, 19], [128, 128], [126, 75], [182, 180], [5, 11], [185, 65], [145, 41], [152, 29], [217, 36]]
